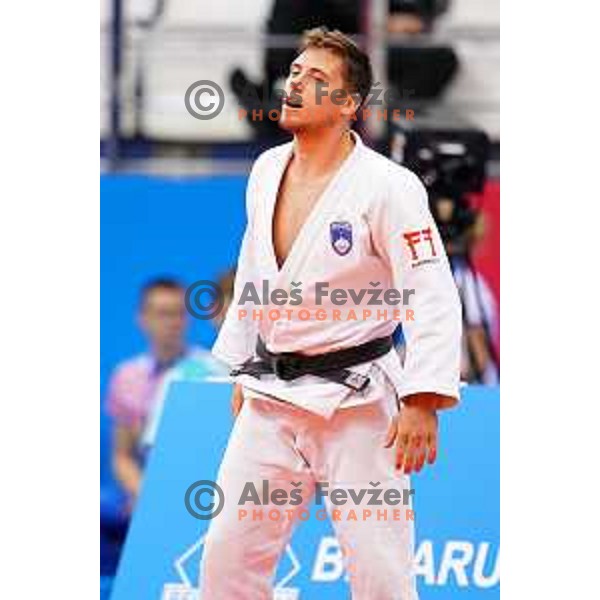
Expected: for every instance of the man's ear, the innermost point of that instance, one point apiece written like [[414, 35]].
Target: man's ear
[[351, 105]]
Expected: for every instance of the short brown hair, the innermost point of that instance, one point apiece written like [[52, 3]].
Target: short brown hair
[[358, 72], [160, 283]]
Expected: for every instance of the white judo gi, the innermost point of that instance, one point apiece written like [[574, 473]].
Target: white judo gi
[[370, 229]]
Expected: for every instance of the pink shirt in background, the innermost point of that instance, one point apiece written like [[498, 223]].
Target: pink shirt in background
[[132, 389]]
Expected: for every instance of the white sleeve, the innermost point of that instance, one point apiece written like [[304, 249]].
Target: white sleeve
[[405, 235], [236, 341]]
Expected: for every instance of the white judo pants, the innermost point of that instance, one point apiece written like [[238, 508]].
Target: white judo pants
[[283, 444]]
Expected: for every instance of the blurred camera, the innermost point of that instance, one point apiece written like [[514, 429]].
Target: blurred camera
[[450, 160]]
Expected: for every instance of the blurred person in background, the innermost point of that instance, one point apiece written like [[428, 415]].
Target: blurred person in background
[[204, 367], [137, 392], [134, 384], [423, 70]]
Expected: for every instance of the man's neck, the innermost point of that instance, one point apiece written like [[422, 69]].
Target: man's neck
[[165, 356], [317, 152]]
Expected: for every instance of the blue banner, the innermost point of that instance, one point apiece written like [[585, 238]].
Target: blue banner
[[456, 507]]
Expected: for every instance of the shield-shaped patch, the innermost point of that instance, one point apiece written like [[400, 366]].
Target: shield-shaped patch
[[341, 237]]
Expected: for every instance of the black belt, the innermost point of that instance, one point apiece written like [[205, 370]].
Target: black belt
[[333, 366]]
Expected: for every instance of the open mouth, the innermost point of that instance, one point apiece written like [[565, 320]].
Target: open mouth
[[294, 102]]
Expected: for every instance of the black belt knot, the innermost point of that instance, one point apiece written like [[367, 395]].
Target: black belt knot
[[286, 367]]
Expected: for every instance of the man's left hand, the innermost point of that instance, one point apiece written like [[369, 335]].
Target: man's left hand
[[414, 430]]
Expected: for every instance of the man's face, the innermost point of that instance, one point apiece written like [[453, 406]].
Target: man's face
[[314, 96], [163, 317]]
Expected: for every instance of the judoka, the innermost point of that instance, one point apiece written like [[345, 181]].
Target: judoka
[[330, 400]]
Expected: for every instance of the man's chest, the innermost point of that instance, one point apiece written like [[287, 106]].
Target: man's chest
[[296, 200]]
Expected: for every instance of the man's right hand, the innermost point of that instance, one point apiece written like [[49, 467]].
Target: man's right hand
[[237, 399]]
